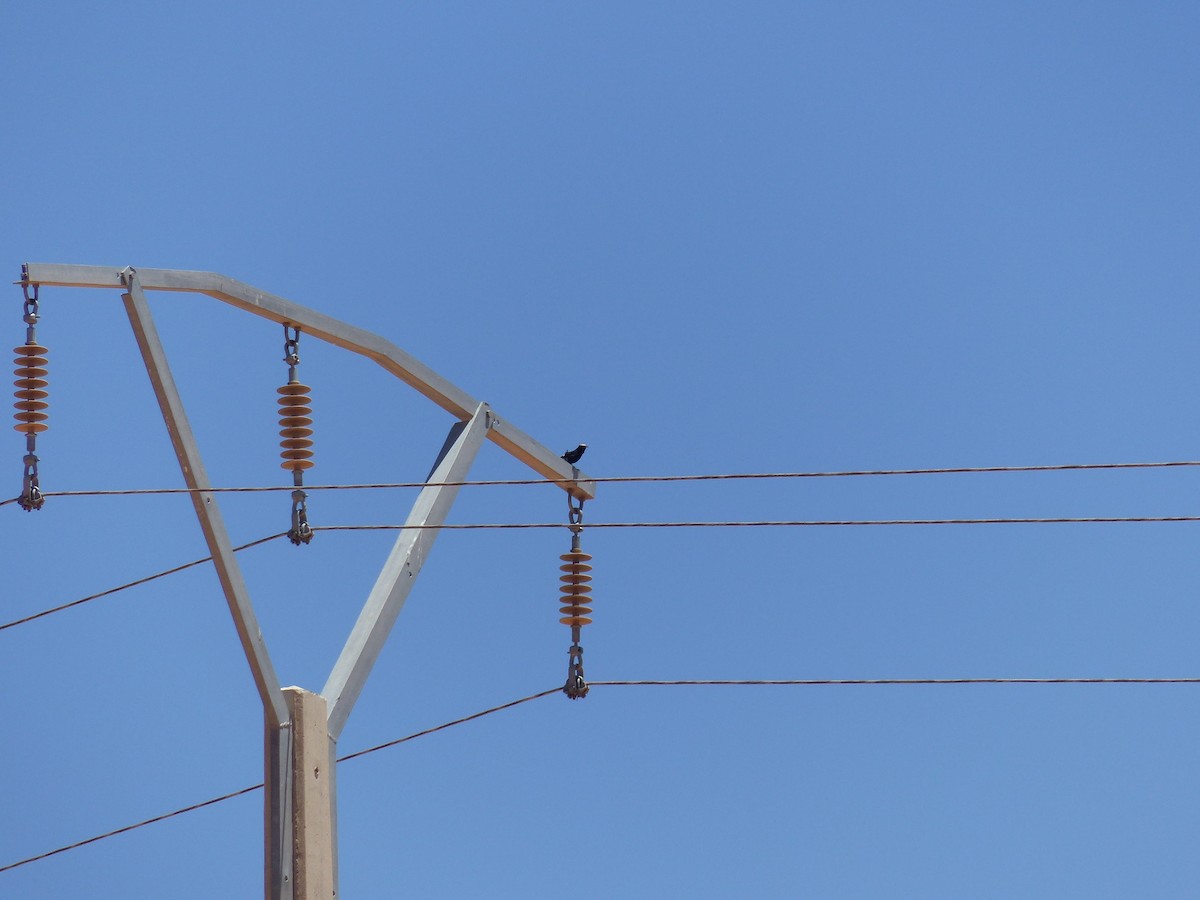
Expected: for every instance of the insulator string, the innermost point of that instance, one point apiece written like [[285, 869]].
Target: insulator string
[[295, 428], [31, 393]]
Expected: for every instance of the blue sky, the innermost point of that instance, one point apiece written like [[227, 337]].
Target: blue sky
[[703, 238]]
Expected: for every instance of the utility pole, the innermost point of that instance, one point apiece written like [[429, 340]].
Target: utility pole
[[301, 728]]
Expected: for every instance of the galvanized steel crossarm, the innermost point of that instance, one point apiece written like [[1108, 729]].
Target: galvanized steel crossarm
[[396, 361]]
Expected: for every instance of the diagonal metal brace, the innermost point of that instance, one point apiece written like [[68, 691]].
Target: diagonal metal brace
[[402, 567], [204, 502]]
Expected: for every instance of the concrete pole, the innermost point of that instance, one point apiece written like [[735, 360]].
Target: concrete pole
[[277, 806], [310, 781]]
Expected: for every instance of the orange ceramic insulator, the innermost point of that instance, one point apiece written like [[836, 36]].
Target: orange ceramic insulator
[[295, 426], [575, 589], [31, 386]]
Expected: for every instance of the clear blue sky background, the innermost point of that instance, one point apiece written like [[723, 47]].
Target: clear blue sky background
[[703, 238]]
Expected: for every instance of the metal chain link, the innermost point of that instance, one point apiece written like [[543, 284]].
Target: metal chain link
[[291, 345]]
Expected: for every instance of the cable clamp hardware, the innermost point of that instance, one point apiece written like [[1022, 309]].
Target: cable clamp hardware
[[576, 687], [31, 493], [300, 532]]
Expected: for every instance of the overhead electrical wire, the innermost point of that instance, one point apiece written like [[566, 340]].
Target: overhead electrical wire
[[503, 526], [807, 682], [128, 828], [774, 523], [633, 479], [827, 682], [594, 525], [257, 787], [130, 584]]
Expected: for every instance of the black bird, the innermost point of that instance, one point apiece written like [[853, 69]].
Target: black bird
[[573, 456]]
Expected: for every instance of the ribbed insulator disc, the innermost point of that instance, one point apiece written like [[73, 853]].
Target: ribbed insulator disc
[[294, 420], [31, 423], [575, 589], [31, 386]]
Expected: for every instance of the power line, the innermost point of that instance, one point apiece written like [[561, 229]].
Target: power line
[[502, 526], [478, 715], [807, 682], [122, 587], [247, 790], [631, 479], [135, 825], [795, 523], [821, 682]]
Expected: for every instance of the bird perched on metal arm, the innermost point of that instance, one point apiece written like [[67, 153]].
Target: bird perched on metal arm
[[573, 456]]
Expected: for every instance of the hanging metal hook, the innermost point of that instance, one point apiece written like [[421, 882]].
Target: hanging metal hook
[[291, 344], [30, 316], [574, 520]]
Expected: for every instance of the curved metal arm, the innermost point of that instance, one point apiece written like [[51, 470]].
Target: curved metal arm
[[457, 402]]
